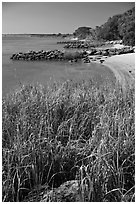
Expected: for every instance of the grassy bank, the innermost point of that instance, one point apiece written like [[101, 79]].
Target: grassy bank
[[69, 131]]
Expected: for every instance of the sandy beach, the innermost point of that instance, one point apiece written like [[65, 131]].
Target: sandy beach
[[123, 67]]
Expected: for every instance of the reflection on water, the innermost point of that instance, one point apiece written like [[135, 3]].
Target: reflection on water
[[15, 73]]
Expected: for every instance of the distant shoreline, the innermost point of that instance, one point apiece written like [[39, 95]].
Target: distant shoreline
[[38, 35]]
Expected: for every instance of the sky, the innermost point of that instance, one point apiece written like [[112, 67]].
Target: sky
[[57, 17]]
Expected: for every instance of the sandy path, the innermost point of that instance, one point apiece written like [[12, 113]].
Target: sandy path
[[123, 67]]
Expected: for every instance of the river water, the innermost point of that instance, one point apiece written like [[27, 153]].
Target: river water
[[15, 73]]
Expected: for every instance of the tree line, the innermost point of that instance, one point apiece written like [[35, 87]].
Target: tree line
[[118, 27]]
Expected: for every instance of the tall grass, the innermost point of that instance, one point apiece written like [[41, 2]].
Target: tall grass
[[69, 131]]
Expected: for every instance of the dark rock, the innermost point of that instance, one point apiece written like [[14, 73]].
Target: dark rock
[[67, 192], [86, 60], [101, 61]]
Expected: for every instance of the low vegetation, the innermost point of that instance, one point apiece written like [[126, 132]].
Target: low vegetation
[[69, 131]]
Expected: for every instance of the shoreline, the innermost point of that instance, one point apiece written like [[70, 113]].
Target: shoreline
[[123, 67]]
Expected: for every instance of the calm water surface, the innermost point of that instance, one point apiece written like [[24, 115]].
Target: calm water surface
[[15, 73]]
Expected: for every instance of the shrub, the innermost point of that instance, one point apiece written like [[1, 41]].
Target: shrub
[[73, 55]]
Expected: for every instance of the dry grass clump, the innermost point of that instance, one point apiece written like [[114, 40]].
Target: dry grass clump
[[69, 131]]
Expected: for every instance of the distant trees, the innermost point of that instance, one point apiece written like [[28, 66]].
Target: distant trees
[[82, 32], [109, 30], [120, 26], [127, 27]]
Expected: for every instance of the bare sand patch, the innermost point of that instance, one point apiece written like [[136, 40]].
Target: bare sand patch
[[123, 66]]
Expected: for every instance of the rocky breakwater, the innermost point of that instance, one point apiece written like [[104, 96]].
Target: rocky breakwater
[[38, 55], [87, 56], [78, 45], [68, 42], [49, 55]]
